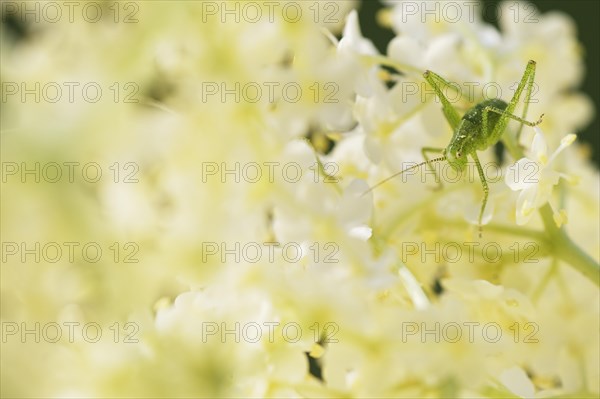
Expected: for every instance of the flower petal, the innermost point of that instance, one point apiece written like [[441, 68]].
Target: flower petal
[[522, 174], [517, 381], [353, 40], [539, 149], [526, 204], [406, 49]]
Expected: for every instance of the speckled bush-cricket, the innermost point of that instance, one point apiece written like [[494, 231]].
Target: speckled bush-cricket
[[481, 127]]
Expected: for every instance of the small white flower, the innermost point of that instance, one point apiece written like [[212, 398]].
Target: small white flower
[[352, 40], [356, 51], [535, 178]]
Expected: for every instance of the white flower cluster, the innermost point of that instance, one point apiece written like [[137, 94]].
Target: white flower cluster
[[185, 208]]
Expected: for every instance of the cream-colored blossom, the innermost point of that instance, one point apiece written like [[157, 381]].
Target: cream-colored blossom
[[535, 178]]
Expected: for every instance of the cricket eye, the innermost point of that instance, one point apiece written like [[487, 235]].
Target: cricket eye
[[459, 154]]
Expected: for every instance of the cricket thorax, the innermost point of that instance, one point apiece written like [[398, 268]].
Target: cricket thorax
[[471, 135], [475, 114], [475, 123]]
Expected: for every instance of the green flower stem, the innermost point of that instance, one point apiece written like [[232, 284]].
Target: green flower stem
[[381, 60], [545, 280], [566, 250]]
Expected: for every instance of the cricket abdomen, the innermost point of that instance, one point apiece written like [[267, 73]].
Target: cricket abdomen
[[473, 119]]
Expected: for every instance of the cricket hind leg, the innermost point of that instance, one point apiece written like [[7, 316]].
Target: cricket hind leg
[[504, 114], [526, 83], [530, 76]]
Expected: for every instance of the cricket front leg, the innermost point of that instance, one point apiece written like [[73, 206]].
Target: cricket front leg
[[438, 83], [486, 189]]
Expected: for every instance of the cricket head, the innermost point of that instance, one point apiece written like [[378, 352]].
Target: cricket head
[[455, 157]]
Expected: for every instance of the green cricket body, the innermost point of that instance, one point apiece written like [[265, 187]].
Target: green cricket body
[[481, 127], [470, 136]]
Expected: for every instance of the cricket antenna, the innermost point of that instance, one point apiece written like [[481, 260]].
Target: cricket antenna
[[443, 158]]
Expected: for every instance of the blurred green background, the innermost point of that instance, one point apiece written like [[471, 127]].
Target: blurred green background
[[586, 15]]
